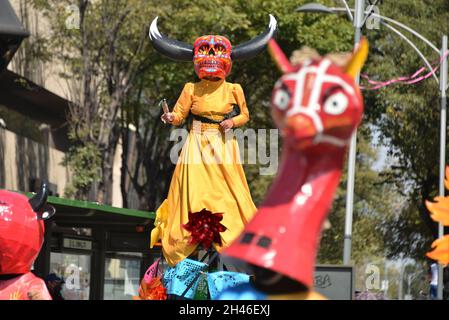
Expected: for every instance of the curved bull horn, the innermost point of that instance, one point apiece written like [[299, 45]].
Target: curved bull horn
[[39, 200], [173, 49], [253, 47]]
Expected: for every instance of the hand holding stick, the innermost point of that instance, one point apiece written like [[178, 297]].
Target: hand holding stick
[[167, 116]]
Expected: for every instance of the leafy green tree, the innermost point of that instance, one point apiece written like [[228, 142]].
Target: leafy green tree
[[408, 119], [103, 55]]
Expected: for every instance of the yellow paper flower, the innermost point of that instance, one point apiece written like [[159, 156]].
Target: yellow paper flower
[[441, 250], [439, 210]]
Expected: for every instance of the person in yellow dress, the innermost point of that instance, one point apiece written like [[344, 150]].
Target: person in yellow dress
[[208, 174]]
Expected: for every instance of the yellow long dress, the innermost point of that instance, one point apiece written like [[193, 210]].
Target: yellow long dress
[[208, 173]]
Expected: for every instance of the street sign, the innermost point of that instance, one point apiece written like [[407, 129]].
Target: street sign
[[78, 244], [334, 282]]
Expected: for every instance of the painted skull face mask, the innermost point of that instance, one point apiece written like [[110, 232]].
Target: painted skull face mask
[[212, 56]]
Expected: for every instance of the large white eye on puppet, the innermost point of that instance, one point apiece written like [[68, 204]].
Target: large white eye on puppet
[[336, 104], [281, 99]]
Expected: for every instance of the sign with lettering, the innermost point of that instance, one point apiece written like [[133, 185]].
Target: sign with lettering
[[71, 243], [334, 282]]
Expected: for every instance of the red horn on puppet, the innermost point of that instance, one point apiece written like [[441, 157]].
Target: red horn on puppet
[[279, 57]]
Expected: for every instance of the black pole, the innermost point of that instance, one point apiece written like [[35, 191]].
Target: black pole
[[212, 258]]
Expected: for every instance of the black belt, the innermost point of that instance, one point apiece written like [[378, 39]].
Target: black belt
[[235, 112], [204, 119]]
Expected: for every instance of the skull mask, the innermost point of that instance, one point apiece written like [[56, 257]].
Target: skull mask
[[212, 56]]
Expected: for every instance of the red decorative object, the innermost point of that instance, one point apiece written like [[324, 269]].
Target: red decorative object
[[317, 106], [21, 234], [205, 227], [154, 290], [212, 56], [21, 238], [157, 290]]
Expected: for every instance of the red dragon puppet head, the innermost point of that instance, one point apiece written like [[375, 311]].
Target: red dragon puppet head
[[316, 105], [22, 229], [212, 55]]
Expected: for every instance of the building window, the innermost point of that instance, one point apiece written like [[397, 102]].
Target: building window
[[122, 276], [75, 270]]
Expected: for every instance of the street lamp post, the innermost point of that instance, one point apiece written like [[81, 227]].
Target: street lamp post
[[443, 88], [359, 14], [358, 21]]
